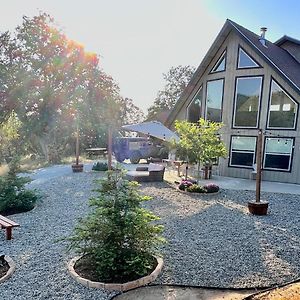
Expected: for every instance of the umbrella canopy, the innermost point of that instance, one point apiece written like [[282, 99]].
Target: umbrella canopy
[[155, 129]]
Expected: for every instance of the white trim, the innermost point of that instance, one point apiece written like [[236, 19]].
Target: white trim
[[250, 58], [269, 106], [259, 100]]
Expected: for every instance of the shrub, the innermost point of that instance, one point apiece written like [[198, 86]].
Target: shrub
[[100, 166], [211, 188], [14, 198], [184, 184], [195, 188], [118, 236]]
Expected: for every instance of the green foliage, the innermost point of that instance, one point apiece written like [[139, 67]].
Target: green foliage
[[118, 235], [195, 188], [9, 137], [14, 197], [48, 79], [200, 142], [100, 166], [176, 81]]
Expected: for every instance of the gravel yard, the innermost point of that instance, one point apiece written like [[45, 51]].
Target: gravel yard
[[213, 241]]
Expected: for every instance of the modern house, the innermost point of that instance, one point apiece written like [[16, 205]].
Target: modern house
[[248, 83]]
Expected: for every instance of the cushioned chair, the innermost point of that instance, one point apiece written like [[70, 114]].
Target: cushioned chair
[[152, 173]]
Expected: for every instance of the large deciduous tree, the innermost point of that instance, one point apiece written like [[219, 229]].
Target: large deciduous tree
[[176, 80], [52, 83]]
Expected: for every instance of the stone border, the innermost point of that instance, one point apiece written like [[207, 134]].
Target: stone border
[[115, 286], [12, 267]]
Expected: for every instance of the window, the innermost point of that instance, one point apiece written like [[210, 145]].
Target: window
[[194, 108], [220, 64], [247, 101], [242, 153], [278, 153], [245, 60], [214, 97], [282, 108]]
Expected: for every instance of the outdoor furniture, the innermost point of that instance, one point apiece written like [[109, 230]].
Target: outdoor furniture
[[96, 152], [8, 225], [152, 173]]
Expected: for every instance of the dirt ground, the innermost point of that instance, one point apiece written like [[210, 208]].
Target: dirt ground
[[289, 292]]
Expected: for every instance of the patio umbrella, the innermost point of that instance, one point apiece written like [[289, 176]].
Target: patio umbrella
[[155, 129]]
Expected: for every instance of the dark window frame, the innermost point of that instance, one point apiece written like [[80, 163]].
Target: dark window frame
[[269, 105], [230, 152], [259, 66], [259, 106], [202, 102], [291, 154], [223, 55], [205, 102]]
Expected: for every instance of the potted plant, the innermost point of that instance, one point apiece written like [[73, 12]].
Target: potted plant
[[117, 242]]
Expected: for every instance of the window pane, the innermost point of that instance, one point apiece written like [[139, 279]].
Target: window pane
[[214, 100], [245, 61], [242, 159], [282, 108], [245, 143], [278, 152], [220, 65], [277, 162], [279, 145], [194, 109], [247, 100]]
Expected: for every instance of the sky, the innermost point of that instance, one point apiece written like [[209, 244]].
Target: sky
[[139, 40]]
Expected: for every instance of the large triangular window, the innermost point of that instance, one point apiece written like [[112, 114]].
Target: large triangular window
[[220, 65], [246, 61]]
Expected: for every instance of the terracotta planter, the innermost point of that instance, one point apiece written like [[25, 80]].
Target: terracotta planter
[[115, 286], [77, 168], [258, 208]]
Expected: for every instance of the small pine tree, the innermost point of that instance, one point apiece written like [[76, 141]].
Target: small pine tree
[[118, 236]]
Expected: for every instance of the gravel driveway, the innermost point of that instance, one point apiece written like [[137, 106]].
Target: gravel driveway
[[213, 241]]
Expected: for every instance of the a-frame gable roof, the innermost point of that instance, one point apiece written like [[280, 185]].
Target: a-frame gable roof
[[275, 56]]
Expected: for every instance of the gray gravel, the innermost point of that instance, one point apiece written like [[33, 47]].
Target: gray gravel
[[213, 241], [41, 261]]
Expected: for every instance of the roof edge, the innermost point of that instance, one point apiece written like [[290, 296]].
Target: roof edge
[[286, 38]]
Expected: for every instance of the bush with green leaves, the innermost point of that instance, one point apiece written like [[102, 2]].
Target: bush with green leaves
[[100, 166], [119, 237], [195, 188], [211, 188], [14, 198]]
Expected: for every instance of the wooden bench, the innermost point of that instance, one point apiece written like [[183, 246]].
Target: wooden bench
[[8, 225]]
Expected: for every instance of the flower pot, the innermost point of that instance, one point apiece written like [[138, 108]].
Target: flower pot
[[77, 168], [115, 286], [258, 208]]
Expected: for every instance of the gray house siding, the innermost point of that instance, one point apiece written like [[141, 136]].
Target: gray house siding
[[231, 44]]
